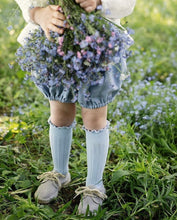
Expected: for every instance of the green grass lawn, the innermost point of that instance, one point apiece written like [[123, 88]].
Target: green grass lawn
[[141, 171]]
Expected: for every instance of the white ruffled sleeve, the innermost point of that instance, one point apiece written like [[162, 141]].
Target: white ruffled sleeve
[[117, 9], [25, 5]]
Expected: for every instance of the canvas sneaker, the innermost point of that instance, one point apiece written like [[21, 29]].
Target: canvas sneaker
[[91, 200], [51, 183]]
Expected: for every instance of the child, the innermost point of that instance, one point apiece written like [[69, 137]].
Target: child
[[94, 111]]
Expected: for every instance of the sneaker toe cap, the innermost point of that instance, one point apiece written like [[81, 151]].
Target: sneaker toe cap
[[46, 193], [90, 203]]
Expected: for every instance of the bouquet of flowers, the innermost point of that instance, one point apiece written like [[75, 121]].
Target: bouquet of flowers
[[83, 54]]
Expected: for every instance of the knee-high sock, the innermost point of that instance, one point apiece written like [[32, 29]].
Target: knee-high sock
[[60, 142], [97, 143]]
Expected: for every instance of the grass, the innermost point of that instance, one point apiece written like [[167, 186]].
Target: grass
[[140, 175]]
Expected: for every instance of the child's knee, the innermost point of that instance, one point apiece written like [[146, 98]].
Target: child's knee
[[94, 119], [62, 114]]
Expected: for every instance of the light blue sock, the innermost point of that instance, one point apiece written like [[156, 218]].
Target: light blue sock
[[60, 142], [97, 143]]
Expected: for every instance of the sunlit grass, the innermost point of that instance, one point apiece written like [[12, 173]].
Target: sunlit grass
[[140, 175]]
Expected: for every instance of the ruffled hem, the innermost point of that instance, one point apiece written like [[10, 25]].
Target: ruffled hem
[[97, 131], [65, 127]]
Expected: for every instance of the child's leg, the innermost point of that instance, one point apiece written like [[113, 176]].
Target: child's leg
[[62, 114], [61, 124], [97, 141]]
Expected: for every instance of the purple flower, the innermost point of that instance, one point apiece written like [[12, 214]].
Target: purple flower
[[99, 7], [92, 18], [88, 39], [100, 40], [83, 44], [79, 55], [10, 28], [60, 40], [68, 55], [83, 17], [10, 66]]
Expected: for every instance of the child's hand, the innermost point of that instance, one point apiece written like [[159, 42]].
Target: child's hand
[[49, 18], [89, 5]]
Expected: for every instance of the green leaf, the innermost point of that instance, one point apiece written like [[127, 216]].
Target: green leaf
[[21, 74], [11, 217], [6, 172], [119, 174], [86, 63]]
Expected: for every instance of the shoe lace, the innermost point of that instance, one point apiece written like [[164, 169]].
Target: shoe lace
[[86, 191], [51, 175]]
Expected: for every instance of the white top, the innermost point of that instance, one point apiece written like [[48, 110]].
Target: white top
[[111, 9]]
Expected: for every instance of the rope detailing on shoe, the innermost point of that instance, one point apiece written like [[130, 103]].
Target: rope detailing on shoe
[[86, 191], [51, 175]]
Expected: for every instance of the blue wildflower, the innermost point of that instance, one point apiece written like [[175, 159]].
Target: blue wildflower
[[92, 18], [83, 44], [83, 17]]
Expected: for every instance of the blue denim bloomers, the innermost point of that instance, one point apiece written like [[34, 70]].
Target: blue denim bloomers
[[100, 95]]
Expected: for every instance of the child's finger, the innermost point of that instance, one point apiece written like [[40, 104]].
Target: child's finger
[[47, 33], [59, 15], [88, 6], [89, 9], [56, 29], [55, 7], [79, 1], [58, 22], [85, 4]]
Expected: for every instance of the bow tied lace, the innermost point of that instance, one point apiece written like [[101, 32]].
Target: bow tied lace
[[86, 191], [53, 176]]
